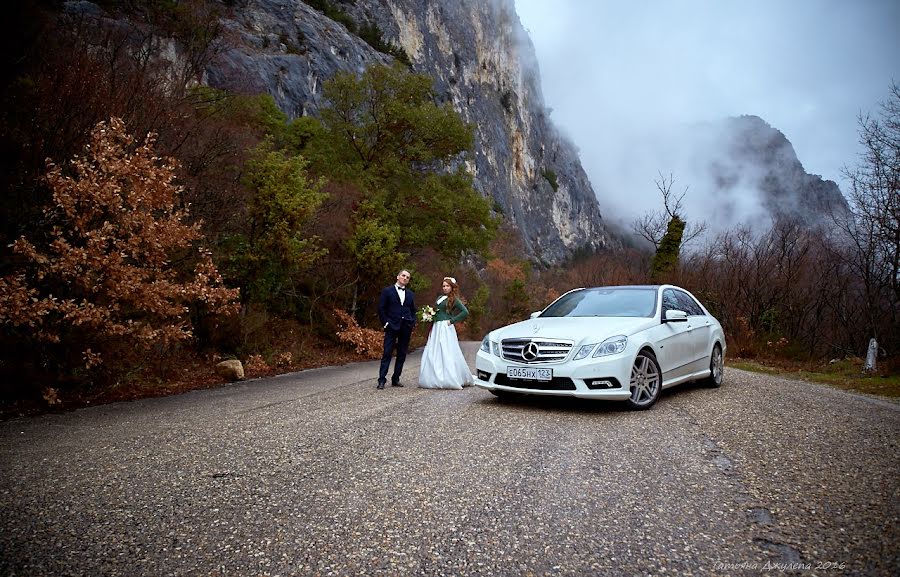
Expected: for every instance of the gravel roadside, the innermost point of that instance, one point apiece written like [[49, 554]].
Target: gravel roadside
[[317, 473]]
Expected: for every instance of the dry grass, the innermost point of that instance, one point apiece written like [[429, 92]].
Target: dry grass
[[844, 374]]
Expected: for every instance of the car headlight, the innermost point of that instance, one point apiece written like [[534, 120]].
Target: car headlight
[[610, 346], [488, 346], [584, 351]]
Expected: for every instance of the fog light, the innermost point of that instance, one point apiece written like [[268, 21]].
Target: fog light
[[602, 384], [483, 376]]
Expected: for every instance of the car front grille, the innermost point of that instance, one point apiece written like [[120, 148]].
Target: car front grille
[[535, 350]]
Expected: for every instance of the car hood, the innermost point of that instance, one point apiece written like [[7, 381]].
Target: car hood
[[578, 329]]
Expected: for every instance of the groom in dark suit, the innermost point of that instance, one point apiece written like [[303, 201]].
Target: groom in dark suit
[[397, 312]]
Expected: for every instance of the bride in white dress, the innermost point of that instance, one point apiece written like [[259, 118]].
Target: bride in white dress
[[443, 364]]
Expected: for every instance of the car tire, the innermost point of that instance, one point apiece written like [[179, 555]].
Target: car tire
[[646, 382], [716, 368]]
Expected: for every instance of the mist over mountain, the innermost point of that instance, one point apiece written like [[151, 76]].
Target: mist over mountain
[[755, 157], [739, 171]]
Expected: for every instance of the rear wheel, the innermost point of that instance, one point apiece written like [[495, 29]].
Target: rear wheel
[[646, 381], [716, 368]]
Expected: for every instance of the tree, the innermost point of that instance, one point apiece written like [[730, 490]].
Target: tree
[[113, 273], [73, 69], [667, 230], [874, 225], [267, 258], [665, 261], [406, 152], [654, 226], [387, 120], [384, 132]]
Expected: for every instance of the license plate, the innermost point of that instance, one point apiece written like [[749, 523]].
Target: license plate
[[529, 373]]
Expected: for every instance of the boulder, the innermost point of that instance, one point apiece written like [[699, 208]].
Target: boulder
[[231, 370]]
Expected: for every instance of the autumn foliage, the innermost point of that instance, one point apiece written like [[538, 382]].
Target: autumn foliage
[[365, 341], [114, 271]]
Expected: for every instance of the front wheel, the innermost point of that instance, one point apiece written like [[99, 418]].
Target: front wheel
[[716, 368], [646, 381]]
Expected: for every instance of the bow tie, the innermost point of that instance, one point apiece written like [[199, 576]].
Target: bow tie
[[401, 288]]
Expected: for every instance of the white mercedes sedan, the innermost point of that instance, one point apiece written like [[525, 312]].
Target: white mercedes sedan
[[623, 343]]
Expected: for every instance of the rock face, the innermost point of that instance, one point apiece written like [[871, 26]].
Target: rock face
[[481, 61], [752, 149]]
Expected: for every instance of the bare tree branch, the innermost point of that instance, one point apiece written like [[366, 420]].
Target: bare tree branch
[[652, 226]]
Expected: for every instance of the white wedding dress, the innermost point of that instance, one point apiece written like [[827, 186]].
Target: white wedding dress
[[443, 364]]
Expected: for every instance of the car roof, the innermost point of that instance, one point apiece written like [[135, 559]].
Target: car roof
[[624, 286]]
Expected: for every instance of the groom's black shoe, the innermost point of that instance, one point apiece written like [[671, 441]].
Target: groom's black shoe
[[380, 386], [397, 384]]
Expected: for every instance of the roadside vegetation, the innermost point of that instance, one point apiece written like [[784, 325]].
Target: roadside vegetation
[[846, 374], [150, 226]]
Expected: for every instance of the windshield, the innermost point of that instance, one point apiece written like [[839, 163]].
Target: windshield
[[605, 302]]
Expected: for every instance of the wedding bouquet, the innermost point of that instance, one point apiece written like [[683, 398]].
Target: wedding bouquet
[[426, 314]]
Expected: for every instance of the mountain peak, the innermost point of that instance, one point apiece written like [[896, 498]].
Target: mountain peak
[[755, 150]]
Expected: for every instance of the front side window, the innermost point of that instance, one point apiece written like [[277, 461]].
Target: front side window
[[688, 304], [670, 301]]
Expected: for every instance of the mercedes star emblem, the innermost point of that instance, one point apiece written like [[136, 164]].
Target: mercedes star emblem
[[530, 352]]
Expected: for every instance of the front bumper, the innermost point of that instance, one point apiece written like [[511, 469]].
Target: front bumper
[[601, 378]]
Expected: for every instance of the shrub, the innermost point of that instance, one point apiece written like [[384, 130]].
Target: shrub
[[366, 342], [334, 12], [506, 101], [372, 35], [550, 177], [105, 277]]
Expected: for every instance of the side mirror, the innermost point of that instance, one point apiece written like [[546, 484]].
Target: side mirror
[[535, 315], [675, 316]]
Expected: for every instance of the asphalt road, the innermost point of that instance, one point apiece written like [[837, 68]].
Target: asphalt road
[[317, 473]]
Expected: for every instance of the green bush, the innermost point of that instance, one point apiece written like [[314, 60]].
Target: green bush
[[335, 13], [550, 176], [372, 35]]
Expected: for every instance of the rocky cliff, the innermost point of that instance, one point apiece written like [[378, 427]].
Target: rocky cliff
[[755, 151], [741, 170], [481, 60]]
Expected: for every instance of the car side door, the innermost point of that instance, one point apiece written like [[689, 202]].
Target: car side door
[[699, 331], [673, 341]]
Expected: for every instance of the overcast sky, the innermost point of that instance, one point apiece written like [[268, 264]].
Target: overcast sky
[[617, 73]]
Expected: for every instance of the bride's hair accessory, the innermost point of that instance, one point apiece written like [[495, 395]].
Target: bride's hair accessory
[[450, 278]]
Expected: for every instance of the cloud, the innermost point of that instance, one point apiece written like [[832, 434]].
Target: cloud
[[630, 81]]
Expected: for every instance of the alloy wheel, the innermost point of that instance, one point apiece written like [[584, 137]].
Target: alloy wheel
[[716, 368], [645, 381]]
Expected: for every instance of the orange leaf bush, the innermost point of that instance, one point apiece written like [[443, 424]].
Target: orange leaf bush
[[367, 342], [106, 272], [256, 364]]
